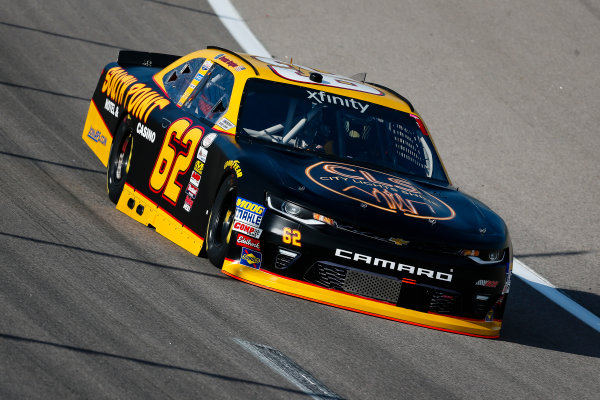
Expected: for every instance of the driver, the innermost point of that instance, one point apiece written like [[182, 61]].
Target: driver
[[356, 140], [324, 139]]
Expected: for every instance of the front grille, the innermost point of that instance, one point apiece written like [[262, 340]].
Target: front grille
[[328, 275], [283, 261], [414, 296], [372, 286], [482, 304], [364, 284], [443, 302], [285, 258], [426, 298]]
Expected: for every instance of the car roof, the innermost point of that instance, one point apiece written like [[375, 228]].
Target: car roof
[[245, 66]]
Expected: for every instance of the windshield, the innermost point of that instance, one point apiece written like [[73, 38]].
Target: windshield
[[338, 126]]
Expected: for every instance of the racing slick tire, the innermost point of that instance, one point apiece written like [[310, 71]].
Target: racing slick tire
[[221, 221], [118, 161]]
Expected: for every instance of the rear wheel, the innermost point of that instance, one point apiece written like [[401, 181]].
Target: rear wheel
[[118, 162], [220, 222]]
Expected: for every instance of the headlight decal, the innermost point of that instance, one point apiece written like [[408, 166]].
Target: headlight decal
[[297, 212]]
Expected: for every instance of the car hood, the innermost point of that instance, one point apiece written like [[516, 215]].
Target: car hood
[[384, 204]]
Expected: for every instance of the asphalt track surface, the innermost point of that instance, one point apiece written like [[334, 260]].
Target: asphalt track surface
[[95, 305]]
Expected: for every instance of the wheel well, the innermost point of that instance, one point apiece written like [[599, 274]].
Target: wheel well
[[225, 175]]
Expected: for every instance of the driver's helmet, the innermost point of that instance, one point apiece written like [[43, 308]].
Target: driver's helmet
[[357, 132]]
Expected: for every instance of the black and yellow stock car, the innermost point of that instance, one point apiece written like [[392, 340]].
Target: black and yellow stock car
[[302, 182]]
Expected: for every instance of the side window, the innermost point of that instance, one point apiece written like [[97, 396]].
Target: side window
[[178, 79], [211, 97]]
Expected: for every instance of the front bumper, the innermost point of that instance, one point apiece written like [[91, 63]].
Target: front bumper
[[304, 290], [324, 270]]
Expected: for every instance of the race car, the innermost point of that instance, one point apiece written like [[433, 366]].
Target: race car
[[300, 181]]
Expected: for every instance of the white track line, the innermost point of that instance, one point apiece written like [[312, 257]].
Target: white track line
[[238, 28], [244, 36], [546, 288]]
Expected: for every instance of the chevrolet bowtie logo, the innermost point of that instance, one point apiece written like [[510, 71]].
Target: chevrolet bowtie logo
[[399, 241]]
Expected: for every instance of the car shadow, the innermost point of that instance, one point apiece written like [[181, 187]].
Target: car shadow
[[39, 160], [533, 320], [51, 92], [195, 10], [60, 35], [143, 263]]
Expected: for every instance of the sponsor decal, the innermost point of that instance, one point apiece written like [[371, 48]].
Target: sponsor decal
[[243, 240], [111, 107], [208, 139], [145, 132], [225, 124], [192, 187], [489, 317], [199, 75], [199, 167], [249, 230], [322, 97], [97, 136], [250, 206], [195, 178], [138, 99], [188, 203], [250, 258], [229, 63], [202, 154], [378, 189], [392, 265], [486, 283], [235, 165], [204, 68], [248, 212], [191, 191], [248, 217]]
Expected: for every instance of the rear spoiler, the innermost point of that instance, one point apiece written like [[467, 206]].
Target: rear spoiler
[[154, 60]]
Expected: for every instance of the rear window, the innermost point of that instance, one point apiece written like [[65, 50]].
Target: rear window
[[179, 78]]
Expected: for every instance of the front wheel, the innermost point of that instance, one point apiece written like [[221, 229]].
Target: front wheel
[[220, 222], [118, 162]]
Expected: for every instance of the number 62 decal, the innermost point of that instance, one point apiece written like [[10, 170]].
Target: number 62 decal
[[291, 236], [174, 161]]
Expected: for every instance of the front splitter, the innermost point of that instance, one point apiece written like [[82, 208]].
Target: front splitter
[[308, 291]]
